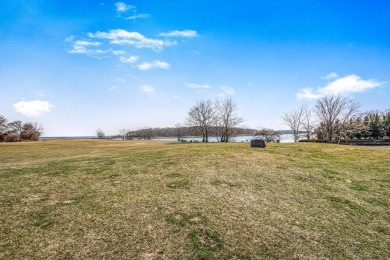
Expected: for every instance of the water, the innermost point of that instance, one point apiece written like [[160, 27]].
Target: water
[[287, 138], [67, 137]]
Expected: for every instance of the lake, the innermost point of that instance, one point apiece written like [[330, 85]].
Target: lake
[[286, 138]]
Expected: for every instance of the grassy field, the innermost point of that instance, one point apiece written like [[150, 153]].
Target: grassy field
[[77, 199]]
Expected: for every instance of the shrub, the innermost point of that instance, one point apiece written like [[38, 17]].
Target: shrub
[[11, 137], [30, 135]]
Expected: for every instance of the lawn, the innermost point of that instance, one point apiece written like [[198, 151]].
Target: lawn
[[75, 199]]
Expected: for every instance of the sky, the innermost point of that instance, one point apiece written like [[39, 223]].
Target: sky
[[76, 66]]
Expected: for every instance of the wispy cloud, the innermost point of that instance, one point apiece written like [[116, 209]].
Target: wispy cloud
[[33, 108], [122, 7], [118, 53], [180, 99], [137, 16], [87, 43], [85, 47], [131, 59], [330, 76], [148, 89], [153, 65], [177, 33], [123, 37], [343, 85], [225, 90], [113, 88], [197, 86]]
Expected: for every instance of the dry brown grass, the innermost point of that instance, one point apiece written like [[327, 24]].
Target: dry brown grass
[[157, 200]]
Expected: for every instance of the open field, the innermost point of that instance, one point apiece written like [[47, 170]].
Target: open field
[[78, 199]]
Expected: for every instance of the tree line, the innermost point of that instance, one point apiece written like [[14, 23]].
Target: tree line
[[368, 125], [16, 131], [206, 118], [179, 131], [338, 119]]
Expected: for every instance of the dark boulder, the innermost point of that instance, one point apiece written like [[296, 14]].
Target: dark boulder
[[258, 143]]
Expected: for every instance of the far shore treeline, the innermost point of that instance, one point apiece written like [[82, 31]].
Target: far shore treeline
[[333, 119]]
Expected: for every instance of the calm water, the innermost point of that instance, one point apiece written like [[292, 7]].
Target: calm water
[[288, 138]]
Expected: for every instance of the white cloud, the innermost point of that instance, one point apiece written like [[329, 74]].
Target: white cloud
[[225, 90], [83, 47], [118, 53], [344, 85], [84, 50], [148, 89], [330, 76], [123, 37], [307, 93], [130, 59], [33, 108], [197, 86], [112, 88], [87, 43], [153, 65], [137, 16], [122, 7], [184, 33]]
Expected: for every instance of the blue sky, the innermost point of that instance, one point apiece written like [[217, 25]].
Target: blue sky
[[76, 66]]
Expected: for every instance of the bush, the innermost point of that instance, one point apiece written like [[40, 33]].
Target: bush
[[30, 135], [11, 137]]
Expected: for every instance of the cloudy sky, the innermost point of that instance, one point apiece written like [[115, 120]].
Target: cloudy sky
[[76, 66]]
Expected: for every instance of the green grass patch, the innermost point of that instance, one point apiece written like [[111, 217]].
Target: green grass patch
[[180, 184], [342, 203], [332, 175], [359, 186], [205, 243], [41, 219], [224, 183]]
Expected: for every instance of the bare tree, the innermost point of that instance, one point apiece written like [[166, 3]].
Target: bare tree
[[123, 132], [308, 124], [227, 119], [32, 126], [100, 133], [179, 131], [333, 109], [3, 123], [31, 131], [201, 116], [294, 120], [17, 126]]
